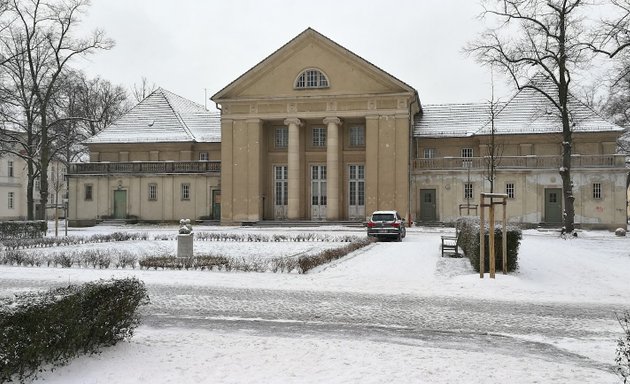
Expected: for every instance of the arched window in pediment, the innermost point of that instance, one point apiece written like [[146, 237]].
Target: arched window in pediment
[[311, 78]]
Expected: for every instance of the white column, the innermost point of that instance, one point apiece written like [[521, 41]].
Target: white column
[[332, 167], [293, 164]]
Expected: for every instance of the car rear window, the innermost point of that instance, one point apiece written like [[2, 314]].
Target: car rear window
[[383, 217]]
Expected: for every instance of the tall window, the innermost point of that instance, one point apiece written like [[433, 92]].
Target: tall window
[[319, 137], [281, 185], [185, 191], [152, 191], [597, 190], [11, 200], [282, 137], [10, 168], [203, 156], [311, 78], [509, 190], [88, 192], [357, 136], [429, 153], [468, 191], [467, 153]]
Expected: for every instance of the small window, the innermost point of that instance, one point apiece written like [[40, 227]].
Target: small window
[[319, 137], [357, 136], [597, 190], [11, 200], [468, 191], [152, 192], [203, 156], [282, 137], [10, 168], [429, 153], [509, 190], [38, 184], [185, 191], [311, 78], [88, 192]]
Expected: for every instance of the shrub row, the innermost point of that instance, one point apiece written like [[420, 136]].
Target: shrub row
[[89, 258], [309, 262], [54, 326], [48, 242], [22, 229], [469, 235], [622, 358]]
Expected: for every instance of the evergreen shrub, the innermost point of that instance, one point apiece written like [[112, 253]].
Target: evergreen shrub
[[51, 327], [469, 235], [22, 229]]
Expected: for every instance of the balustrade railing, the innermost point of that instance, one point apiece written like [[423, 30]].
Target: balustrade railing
[[521, 162], [145, 167]]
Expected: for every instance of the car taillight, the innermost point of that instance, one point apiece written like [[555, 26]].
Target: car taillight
[[370, 224], [396, 225]]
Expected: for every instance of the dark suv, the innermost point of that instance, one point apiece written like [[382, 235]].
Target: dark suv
[[386, 224]]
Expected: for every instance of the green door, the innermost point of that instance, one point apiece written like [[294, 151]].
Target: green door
[[427, 205], [216, 204], [553, 205], [120, 204]]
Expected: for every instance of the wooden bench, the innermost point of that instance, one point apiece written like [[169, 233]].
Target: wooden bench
[[450, 245]]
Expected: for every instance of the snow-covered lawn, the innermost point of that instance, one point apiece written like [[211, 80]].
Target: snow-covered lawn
[[594, 268]]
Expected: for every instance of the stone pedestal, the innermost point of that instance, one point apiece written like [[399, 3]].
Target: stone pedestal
[[185, 245]]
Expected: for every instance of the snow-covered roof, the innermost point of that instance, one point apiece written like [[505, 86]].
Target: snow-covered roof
[[528, 111], [163, 117]]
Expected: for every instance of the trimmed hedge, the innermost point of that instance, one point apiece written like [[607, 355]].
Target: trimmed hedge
[[54, 326], [22, 229], [469, 232]]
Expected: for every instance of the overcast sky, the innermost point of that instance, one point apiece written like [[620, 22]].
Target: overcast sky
[[188, 46]]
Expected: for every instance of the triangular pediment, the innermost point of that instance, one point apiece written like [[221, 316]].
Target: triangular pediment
[[347, 73]]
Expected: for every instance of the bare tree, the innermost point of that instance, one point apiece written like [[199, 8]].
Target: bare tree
[[541, 36], [142, 90], [41, 39]]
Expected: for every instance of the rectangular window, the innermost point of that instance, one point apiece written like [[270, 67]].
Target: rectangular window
[[597, 190], [429, 153], [38, 184], [88, 192], [185, 191], [509, 190], [152, 192], [468, 191], [467, 153], [282, 137], [11, 201], [203, 156], [357, 136], [319, 137], [10, 168]]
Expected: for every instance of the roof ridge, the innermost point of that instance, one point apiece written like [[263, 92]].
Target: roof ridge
[[178, 115]]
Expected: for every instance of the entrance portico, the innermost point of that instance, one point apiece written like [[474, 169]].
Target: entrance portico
[[328, 140]]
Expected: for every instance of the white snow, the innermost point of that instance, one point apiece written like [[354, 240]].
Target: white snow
[[593, 268]]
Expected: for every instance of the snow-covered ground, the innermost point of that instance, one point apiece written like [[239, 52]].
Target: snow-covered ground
[[592, 270]]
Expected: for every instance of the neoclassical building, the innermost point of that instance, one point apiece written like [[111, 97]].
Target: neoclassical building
[[315, 133]]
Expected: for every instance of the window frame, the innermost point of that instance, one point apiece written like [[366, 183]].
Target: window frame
[[510, 190], [281, 137], [203, 156], [357, 136], [432, 152], [11, 200], [318, 140], [311, 78], [152, 192], [597, 191], [184, 192], [10, 168], [469, 191], [88, 192]]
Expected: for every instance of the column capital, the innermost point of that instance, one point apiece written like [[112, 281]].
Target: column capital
[[293, 120], [332, 120]]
